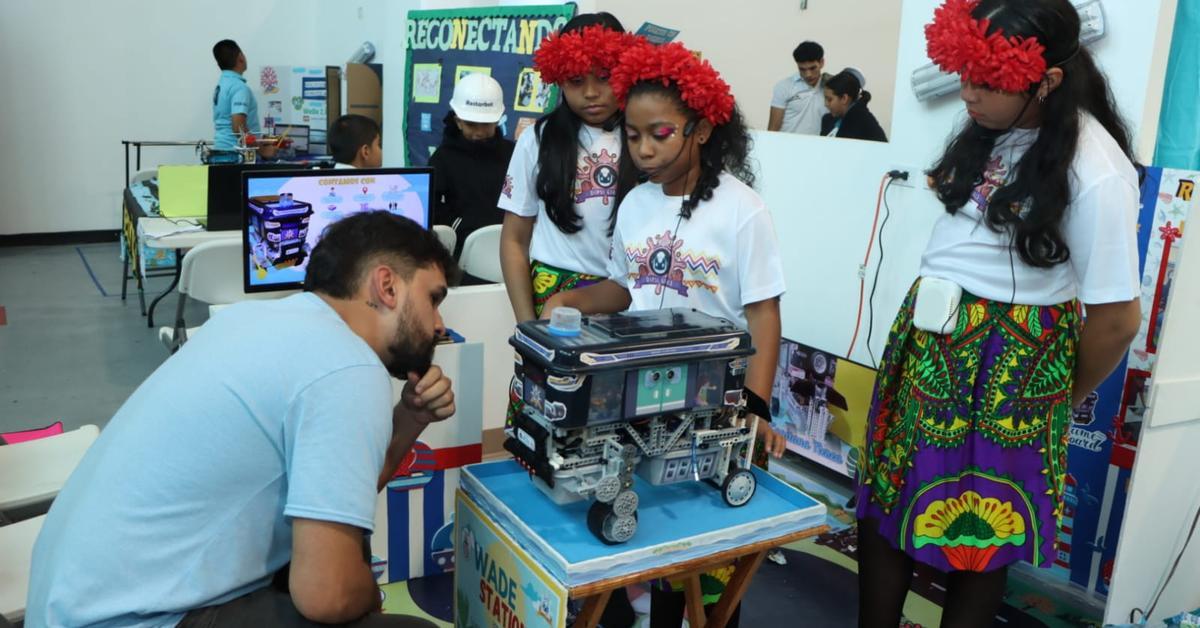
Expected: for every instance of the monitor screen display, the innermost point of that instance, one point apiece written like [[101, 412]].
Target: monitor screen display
[[285, 213], [297, 133]]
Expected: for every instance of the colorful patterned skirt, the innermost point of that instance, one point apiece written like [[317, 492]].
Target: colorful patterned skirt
[[967, 440], [547, 281]]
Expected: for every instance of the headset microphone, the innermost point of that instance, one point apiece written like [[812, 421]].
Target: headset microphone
[[612, 122]]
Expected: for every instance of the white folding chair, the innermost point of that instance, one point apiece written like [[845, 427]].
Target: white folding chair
[[143, 175], [447, 236], [16, 548], [481, 254], [211, 273], [34, 471]]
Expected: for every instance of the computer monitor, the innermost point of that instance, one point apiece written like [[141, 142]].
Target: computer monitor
[[297, 133], [225, 194], [285, 213]]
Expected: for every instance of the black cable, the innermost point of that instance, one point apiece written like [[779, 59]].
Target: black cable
[[887, 212], [1012, 270], [1170, 574]]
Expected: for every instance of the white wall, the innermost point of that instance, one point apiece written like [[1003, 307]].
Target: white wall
[[138, 69], [342, 27], [822, 191], [751, 43], [81, 77]]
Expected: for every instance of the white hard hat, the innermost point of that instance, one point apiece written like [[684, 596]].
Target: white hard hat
[[478, 98]]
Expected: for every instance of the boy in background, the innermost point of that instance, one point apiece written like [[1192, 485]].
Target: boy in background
[[355, 142], [472, 160]]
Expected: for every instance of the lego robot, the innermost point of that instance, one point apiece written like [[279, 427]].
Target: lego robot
[[280, 226], [657, 393]]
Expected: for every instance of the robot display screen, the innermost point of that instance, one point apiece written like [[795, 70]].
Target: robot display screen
[[285, 213]]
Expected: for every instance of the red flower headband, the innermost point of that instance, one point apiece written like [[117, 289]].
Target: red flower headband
[[563, 56], [959, 43], [701, 88]]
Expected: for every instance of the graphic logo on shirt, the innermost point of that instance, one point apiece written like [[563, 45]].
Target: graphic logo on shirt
[[269, 80], [994, 175], [664, 265], [597, 177], [508, 185]]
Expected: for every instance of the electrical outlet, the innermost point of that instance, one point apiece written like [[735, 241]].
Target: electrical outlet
[[915, 180]]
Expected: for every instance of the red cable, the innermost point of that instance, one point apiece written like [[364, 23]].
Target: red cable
[[862, 273]]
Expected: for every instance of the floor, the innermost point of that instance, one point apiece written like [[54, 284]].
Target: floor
[[72, 350]]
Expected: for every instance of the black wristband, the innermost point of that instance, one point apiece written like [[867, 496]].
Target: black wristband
[[756, 405]]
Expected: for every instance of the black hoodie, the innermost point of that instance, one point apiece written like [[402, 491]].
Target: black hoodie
[[468, 177], [859, 124]]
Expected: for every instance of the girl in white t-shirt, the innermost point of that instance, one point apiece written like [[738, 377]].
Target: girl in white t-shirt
[[967, 435], [565, 178], [696, 234]]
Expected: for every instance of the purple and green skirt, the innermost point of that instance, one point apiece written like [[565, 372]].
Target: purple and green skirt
[[967, 435]]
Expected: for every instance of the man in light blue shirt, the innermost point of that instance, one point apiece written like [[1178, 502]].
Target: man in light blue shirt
[[235, 110], [235, 484]]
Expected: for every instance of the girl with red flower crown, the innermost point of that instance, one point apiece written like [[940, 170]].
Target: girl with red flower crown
[[695, 234], [566, 178], [965, 470]]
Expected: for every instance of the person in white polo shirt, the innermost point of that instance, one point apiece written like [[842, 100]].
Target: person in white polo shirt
[[798, 102]]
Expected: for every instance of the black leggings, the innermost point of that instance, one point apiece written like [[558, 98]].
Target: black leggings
[[885, 575]]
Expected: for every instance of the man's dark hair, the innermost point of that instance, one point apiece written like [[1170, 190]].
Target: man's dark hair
[[350, 246], [350, 133], [808, 51], [226, 53]]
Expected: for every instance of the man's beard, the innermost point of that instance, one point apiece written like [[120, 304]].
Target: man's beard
[[408, 351]]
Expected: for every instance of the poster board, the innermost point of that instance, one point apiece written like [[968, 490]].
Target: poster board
[[414, 514], [819, 402], [1105, 429], [498, 584], [333, 95], [364, 91], [444, 45], [290, 94]]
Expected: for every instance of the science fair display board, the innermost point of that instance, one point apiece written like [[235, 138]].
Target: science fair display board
[[445, 45]]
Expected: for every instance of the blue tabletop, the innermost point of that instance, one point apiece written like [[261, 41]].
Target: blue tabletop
[[676, 522]]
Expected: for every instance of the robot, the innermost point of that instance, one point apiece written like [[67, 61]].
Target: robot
[[280, 226], [655, 393]]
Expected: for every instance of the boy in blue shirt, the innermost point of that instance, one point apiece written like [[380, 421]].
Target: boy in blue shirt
[[235, 111]]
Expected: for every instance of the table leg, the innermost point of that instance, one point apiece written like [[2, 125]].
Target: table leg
[[593, 608], [694, 595], [745, 569], [124, 273], [174, 282]]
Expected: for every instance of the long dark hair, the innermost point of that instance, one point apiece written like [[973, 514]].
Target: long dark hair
[[727, 148], [1042, 175], [558, 150], [844, 83]]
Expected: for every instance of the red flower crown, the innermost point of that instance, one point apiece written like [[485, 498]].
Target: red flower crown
[[563, 56], [959, 44], [700, 86]]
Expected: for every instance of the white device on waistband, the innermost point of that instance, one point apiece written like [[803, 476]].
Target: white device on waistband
[[936, 306]]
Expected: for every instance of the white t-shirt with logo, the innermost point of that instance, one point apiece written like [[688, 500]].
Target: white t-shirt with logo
[[722, 259], [586, 250], [1099, 228], [803, 105]]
